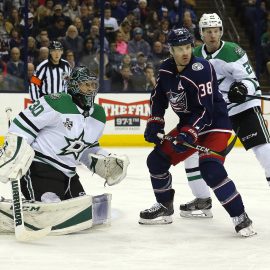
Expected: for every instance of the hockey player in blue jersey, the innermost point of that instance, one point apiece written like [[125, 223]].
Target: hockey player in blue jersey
[[189, 85]]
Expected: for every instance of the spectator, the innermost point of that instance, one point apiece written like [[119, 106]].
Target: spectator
[[42, 33], [42, 55], [115, 58], [58, 13], [118, 11], [44, 41], [32, 29], [110, 25], [70, 58], [95, 67], [15, 66], [42, 17], [79, 25], [71, 10], [94, 34], [121, 45], [124, 29], [72, 41], [15, 39], [143, 11], [30, 71], [151, 24], [58, 30], [150, 80], [3, 72], [14, 18], [138, 72], [157, 55], [187, 23], [122, 81], [85, 16], [15, 71], [32, 51], [88, 53], [138, 44]]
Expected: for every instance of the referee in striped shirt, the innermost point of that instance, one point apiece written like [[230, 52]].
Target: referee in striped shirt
[[49, 76]]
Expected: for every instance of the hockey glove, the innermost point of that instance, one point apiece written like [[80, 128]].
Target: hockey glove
[[237, 92], [154, 126], [187, 134]]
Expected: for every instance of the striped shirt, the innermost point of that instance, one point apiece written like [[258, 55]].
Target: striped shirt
[[49, 79]]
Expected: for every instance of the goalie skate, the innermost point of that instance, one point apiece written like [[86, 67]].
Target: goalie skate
[[157, 214], [198, 208], [244, 225]]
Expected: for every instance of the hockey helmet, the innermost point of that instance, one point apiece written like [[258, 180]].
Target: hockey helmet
[[209, 20], [55, 45], [180, 36], [83, 85]]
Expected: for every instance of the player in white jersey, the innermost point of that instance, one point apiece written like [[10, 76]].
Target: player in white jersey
[[236, 78], [63, 130]]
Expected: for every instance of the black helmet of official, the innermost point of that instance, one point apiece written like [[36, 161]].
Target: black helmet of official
[[83, 97], [55, 45], [180, 36]]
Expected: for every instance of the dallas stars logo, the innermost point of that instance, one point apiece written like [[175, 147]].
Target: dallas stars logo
[[76, 146]]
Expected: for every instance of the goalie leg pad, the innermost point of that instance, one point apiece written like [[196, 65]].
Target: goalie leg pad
[[65, 217], [101, 209]]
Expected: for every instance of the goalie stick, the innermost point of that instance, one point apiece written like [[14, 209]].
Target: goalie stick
[[20, 231], [201, 148]]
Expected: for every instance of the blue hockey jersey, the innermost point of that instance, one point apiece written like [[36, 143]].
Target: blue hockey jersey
[[193, 95]]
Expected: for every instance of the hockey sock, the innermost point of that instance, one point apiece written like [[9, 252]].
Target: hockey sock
[[215, 175], [162, 185], [195, 181]]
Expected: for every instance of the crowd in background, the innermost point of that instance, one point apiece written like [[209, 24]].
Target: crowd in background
[[255, 17], [135, 39]]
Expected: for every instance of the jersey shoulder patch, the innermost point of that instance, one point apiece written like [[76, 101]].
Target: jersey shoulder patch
[[99, 113], [197, 66], [62, 103]]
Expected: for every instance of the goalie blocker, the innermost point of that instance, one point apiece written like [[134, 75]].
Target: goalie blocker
[[64, 217]]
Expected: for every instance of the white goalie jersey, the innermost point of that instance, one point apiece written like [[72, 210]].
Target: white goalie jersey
[[59, 132], [231, 64]]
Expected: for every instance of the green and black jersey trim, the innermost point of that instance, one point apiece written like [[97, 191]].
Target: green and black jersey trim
[[24, 128], [53, 162]]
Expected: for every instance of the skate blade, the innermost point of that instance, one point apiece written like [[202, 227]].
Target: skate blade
[[196, 214], [247, 232], [157, 221]]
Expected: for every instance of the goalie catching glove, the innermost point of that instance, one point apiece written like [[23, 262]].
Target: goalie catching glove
[[112, 168], [16, 156]]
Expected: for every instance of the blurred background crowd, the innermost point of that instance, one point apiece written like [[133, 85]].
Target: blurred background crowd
[[135, 37]]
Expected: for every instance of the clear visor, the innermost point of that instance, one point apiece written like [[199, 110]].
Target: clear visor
[[89, 87]]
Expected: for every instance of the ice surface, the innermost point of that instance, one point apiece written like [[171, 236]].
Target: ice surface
[[185, 244]]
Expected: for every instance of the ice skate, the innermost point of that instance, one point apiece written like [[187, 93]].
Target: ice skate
[[198, 208], [243, 225], [157, 214]]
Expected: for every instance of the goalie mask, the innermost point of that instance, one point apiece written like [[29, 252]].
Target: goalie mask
[[210, 20], [83, 86]]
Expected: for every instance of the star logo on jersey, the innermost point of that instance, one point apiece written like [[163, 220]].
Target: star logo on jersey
[[68, 124], [76, 146], [178, 101]]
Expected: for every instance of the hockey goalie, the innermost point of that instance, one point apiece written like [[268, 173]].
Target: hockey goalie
[[44, 145]]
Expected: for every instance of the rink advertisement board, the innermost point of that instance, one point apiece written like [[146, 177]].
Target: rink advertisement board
[[126, 116]]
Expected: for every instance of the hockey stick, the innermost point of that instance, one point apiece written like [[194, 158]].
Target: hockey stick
[[252, 96], [20, 231], [201, 148]]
